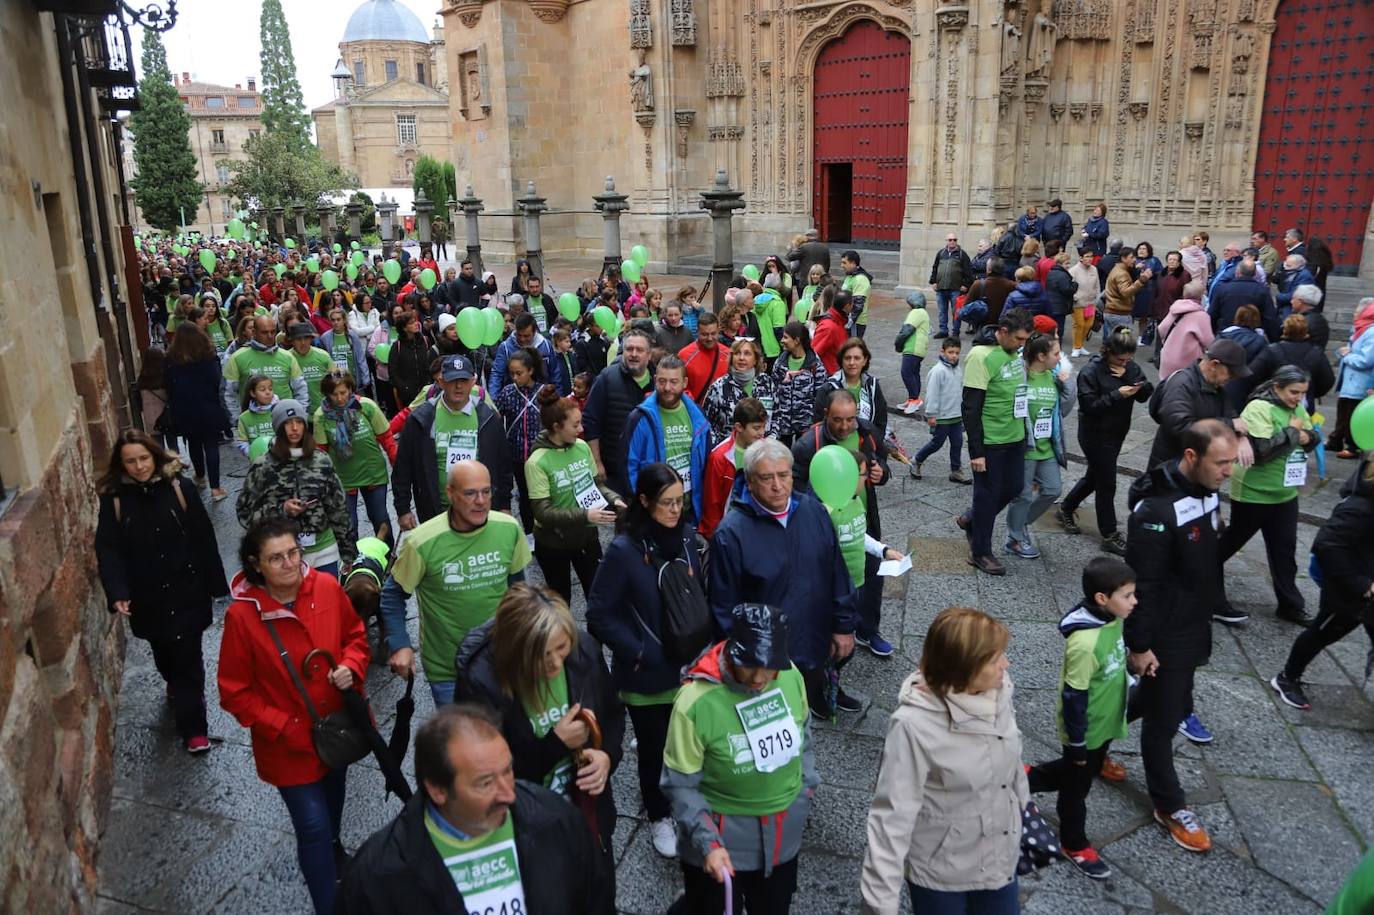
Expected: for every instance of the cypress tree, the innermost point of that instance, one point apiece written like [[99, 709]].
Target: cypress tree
[[166, 178], [283, 105]]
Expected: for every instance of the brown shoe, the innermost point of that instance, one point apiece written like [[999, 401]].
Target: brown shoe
[[962, 522], [1113, 771], [988, 565], [1185, 830]]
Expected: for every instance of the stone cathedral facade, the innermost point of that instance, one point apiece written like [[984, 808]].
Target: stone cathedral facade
[[887, 123]]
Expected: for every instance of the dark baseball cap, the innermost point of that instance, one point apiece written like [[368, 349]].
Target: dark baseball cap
[[1230, 354], [297, 329], [458, 368], [1056, 202]]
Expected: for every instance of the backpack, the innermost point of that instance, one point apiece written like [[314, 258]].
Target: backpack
[[687, 623], [974, 313]]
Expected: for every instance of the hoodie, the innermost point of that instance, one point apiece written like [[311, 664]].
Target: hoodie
[[1092, 682], [1187, 332]]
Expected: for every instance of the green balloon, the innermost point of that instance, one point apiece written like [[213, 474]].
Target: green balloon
[[330, 280], [428, 278], [207, 260], [352, 271], [355, 246], [750, 272], [630, 271], [231, 254], [235, 228], [1362, 424], [382, 353], [391, 269], [471, 327], [280, 268], [138, 243], [606, 318], [357, 257], [640, 255], [834, 476], [290, 243], [312, 264], [495, 326], [259, 448], [337, 247], [568, 306]]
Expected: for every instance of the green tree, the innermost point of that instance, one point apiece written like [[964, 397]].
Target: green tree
[[451, 179], [166, 168], [368, 221], [283, 105], [278, 172], [429, 174]]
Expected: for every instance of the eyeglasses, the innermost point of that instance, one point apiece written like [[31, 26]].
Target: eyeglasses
[[285, 560], [475, 494], [670, 503]]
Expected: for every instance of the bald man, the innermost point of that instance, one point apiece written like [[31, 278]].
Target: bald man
[[262, 356], [458, 564]]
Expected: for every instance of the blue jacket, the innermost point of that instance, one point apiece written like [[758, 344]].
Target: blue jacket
[[554, 370], [1098, 229], [326, 343], [1029, 295], [1288, 281], [644, 434], [1057, 226], [1027, 227], [1226, 272], [797, 567], [1357, 367]]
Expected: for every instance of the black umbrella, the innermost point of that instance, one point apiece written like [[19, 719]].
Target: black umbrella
[[355, 703], [400, 730]]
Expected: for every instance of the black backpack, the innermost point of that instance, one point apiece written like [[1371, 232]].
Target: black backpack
[[687, 624]]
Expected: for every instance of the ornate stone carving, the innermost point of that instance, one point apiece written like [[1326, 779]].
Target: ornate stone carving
[[723, 76], [1078, 110], [1142, 26], [1035, 90], [1201, 58], [1011, 50], [1139, 110], [1193, 130], [1095, 109], [951, 17], [642, 88], [684, 23], [1007, 90], [474, 99], [683, 117], [469, 13], [641, 26], [1056, 111], [1085, 19], [1242, 49], [644, 118], [549, 10], [1043, 36]]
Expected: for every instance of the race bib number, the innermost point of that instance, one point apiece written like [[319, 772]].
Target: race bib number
[[588, 496], [306, 540], [767, 404], [682, 463], [1295, 469], [1020, 407], [462, 446], [489, 880], [774, 738], [1044, 427]]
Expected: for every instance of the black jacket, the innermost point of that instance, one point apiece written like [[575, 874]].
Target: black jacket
[[193, 395], [965, 267], [162, 558], [417, 466], [589, 683], [811, 440], [1060, 289], [591, 352], [1305, 355], [1172, 543], [399, 872], [1058, 225], [1181, 400], [1342, 549], [1102, 412], [613, 395], [1232, 294]]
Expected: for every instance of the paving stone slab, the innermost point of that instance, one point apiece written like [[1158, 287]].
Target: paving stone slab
[[1036, 652], [850, 761], [1342, 757], [1250, 738], [838, 821], [1063, 885], [645, 883]]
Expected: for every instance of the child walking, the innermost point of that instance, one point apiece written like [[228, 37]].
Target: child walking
[[944, 405], [1092, 704]]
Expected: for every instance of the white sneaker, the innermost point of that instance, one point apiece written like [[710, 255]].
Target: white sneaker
[[665, 837]]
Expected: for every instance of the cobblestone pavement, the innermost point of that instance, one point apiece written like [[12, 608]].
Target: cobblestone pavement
[[1283, 793]]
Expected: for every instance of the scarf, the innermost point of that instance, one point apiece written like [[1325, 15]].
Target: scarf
[[743, 379], [1363, 321], [343, 425], [260, 348]]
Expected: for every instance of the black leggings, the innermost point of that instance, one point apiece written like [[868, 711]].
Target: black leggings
[[1278, 523], [1100, 477], [651, 731], [1340, 439], [204, 448], [179, 661], [558, 566], [1327, 629], [1073, 784], [752, 891]]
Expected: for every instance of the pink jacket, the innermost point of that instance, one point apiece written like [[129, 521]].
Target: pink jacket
[[1195, 262], [1187, 332]]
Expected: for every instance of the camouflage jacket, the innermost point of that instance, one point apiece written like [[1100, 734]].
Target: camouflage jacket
[[272, 481]]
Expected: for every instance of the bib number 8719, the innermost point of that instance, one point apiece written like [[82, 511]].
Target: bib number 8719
[[775, 742]]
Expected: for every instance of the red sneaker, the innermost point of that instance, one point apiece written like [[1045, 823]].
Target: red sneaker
[[195, 745], [1113, 771], [1086, 860]]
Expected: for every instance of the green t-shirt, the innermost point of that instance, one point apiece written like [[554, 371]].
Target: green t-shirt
[[643, 380], [253, 424], [366, 466], [857, 285], [342, 355], [314, 366], [918, 344], [486, 870], [458, 578], [706, 734], [1276, 480], [772, 313], [794, 363], [1041, 397], [219, 336], [1095, 661], [1002, 375], [851, 524], [665, 697], [564, 476], [802, 310], [455, 439], [552, 708], [279, 365], [677, 442]]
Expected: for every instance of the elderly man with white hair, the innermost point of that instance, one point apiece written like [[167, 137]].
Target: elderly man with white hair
[[1293, 275], [1307, 301]]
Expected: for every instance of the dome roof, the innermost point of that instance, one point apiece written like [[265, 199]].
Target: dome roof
[[384, 20]]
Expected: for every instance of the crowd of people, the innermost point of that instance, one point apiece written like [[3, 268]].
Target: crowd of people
[[713, 480]]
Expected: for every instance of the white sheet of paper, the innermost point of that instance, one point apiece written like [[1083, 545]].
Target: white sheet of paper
[[891, 567]]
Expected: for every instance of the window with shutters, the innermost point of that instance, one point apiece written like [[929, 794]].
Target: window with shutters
[[217, 137], [222, 173], [405, 129]]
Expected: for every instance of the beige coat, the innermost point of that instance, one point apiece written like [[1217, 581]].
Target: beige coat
[[1089, 284], [1121, 290], [947, 811]]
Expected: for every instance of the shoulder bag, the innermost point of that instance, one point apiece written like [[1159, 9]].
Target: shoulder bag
[[338, 741]]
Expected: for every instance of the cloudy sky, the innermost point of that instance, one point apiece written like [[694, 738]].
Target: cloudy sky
[[217, 42]]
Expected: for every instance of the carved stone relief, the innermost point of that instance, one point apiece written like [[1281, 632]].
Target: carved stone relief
[[723, 76], [1056, 111], [684, 23], [1044, 34], [549, 10], [1083, 19], [952, 17], [641, 26], [1139, 110], [1242, 49], [683, 117], [474, 97], [642, 88]]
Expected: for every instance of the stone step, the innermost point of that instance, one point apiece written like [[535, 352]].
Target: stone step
[[882, 264]]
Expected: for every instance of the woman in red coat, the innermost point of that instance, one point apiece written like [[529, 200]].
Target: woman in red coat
[[309, 611]]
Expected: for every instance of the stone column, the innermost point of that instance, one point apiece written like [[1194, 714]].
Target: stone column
[[611, 206], [471, 206], [279, 224], [387, 209], [424, 212], [325, 211], [355, 221], [532, 205], [298, 218], [721, 201]]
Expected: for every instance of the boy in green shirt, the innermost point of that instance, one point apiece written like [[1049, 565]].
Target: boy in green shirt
[[1093, 686], [857, 282]]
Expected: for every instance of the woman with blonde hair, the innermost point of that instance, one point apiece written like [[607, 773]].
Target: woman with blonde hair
[[746, 377], [1030, 253], [947, 810]]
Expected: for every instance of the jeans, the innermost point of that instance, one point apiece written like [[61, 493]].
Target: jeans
[[945, 299], [752, 891], [316, 810], [651, 730], [939, 433], [1100, 478], [1004, 901], [993, 490], [1161, 702], [1327, 629], [179, 661], [442, 691], [204, 450], [558, 566], [374, 500], [1111, 322], [911, 375], [1032, 504], [1278, 524], [1073, 784]]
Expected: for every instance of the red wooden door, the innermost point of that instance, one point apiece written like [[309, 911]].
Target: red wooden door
[[861, 86], [1315, 165]]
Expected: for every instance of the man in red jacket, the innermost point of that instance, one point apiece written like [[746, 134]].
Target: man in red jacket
[[832, 330], [706, 359], [749, 420]]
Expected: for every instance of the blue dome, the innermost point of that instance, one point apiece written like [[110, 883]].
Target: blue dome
[[384, 20]]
